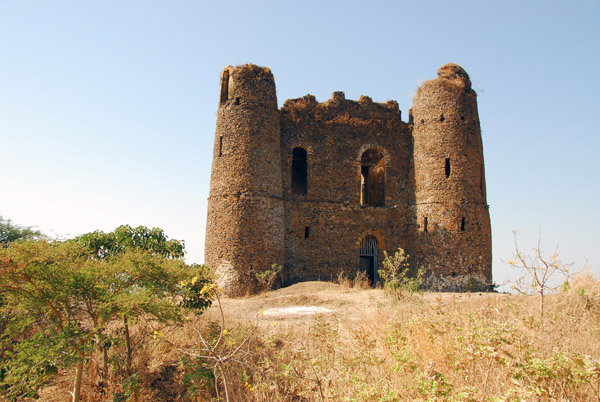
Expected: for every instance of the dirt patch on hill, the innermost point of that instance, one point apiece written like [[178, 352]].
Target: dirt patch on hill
[[301, 302]]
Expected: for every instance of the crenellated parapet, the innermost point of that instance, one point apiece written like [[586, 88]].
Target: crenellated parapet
[[338, 108]]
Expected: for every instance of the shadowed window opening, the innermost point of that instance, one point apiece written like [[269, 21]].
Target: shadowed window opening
[[462, 224], [462, 118], [364, 184], [224, 87], [481, 179], [442, 118], [422, 121], [372, 178], [220, 145], [453, 274], [237, 101], [369, 252], [425, 224], [447, 167], [299, 171], [306, 233]]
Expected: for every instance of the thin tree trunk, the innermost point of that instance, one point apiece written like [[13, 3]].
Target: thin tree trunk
[[105, 361], [128, 345], [77, 386]]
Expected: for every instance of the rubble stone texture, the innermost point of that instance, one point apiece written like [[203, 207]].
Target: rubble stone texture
[[324, 188]]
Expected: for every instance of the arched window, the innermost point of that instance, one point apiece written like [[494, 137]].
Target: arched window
[[372, 177], [299, 171]]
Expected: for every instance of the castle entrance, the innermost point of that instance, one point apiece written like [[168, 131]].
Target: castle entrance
[[369, 249]]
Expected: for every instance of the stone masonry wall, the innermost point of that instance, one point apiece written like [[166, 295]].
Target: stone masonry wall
[[450, 178], [358, 171], [245, 231], [335, 135]]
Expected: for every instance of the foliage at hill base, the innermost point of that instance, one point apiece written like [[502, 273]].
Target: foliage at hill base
[[61, 303], [430, 347]]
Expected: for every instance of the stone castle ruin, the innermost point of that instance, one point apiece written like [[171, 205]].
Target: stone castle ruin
[[324, 188]]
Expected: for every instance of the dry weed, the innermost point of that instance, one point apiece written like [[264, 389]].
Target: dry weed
[[443, 347]]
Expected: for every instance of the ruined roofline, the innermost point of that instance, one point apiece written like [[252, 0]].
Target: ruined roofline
[[338, 97], [249, 67], [449, 72], [364, 107]]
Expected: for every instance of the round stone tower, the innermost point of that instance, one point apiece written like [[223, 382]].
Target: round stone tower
[[453, 223], [245, 227]]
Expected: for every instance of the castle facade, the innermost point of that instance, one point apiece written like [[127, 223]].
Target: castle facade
[[324, 188]]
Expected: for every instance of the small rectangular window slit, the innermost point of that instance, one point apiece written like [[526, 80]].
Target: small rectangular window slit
[[481, 179], [224, 87], [462, 224], [221, 145], [447, 167], [306, 232], [425, 224]]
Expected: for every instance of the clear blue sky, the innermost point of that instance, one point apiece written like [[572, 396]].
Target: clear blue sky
[[107, 108]]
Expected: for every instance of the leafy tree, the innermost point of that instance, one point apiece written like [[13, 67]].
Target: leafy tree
[[125, 239], [10, 232], [60, 289], [102, 245], [63, 295]]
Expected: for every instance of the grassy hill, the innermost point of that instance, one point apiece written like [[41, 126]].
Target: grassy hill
[[320, 341]]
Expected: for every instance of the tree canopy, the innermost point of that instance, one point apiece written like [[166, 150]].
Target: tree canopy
[[10, 232], [60, 296], [123, 238]]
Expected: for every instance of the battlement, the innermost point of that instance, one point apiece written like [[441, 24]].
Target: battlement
[[340, 109]]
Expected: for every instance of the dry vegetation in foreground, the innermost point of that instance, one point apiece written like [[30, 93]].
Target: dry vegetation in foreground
[[428, 347]]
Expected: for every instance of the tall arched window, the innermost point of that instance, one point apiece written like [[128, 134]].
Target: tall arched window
[[372, 177], [299, 171]]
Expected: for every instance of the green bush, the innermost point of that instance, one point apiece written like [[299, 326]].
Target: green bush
[[396, 275]]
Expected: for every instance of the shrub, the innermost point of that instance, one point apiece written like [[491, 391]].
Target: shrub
[[266, 279], [396, 275], [540, 274]]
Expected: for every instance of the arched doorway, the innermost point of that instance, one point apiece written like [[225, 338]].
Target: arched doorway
[[369, 250]]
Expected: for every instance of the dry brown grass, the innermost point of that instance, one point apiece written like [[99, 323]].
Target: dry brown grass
[[443, 347], [360, 280]]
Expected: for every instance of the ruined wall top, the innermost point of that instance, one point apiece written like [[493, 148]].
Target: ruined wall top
[[451, 77], [339, 109], [452, 71], [448, 94], [248, 85]]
